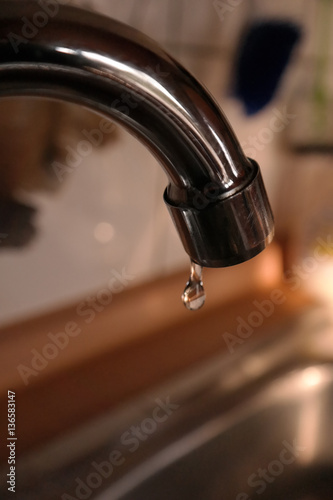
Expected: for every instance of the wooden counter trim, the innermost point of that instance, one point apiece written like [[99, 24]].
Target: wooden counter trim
[[133, 345]]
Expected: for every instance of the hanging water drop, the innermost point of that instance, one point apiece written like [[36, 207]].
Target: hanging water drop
[[194, 294]]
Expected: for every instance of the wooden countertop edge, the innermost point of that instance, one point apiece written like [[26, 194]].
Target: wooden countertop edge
[[134, 314], [152, 344]]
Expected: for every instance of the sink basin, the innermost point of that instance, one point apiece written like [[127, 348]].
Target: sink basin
[[253, 424]]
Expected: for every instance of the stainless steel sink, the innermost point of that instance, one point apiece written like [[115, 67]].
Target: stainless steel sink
[[253, 424]]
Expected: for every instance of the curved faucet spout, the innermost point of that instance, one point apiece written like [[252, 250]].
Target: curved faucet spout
[[215, 194]]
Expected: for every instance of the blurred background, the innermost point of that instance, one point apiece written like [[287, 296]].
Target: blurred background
[[73, 226], [72, 214]]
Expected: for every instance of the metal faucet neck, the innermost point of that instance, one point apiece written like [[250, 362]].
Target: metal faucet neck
[[215, 194]]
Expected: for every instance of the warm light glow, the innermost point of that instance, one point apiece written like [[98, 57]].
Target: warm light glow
[[271, 266], [311, 377], [320, 283], [104, 232]]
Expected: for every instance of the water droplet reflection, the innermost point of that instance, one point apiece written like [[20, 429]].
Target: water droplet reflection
[[194, 295]]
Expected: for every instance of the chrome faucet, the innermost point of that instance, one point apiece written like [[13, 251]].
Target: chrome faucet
[[215, 194]]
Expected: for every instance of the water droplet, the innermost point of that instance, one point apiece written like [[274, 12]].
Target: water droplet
[[194, 294]]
